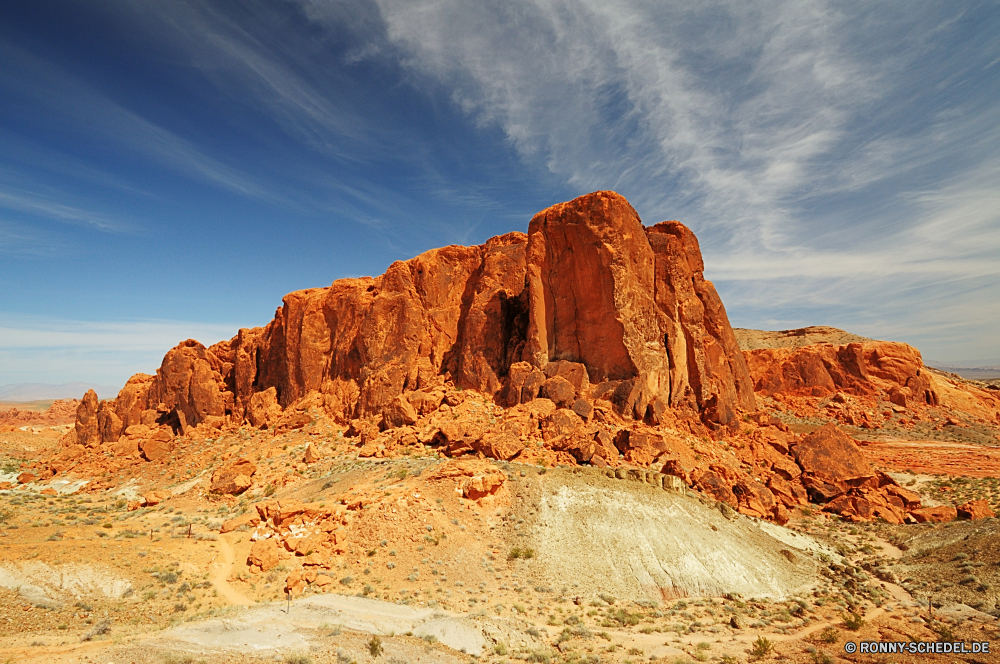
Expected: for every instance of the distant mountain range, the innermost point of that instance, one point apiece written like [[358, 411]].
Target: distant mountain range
[[988, 370], [43, 391]]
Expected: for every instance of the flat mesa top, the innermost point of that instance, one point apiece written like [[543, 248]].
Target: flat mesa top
[[803, 336]]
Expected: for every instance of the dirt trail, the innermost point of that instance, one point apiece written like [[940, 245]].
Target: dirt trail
[[219, 572]]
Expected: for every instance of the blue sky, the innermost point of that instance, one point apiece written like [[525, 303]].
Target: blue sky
[[170, 170]]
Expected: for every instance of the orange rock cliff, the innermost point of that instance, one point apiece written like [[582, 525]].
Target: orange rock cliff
[[592, 339]]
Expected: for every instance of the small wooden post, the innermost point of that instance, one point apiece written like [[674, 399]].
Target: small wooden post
[[189, 531]]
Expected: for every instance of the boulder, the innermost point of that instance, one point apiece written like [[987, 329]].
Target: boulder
[[581, 445], [559, 390], [263, 409], [476, 480], [562, 422], [909, 500], [460, 436], [831, 462], [574, 372], [157, 446], [426, 401], [975, 509], [584, 408], [499, 445], [234, 477], [640, 447], [292, 421], [156, 497], [604, 448], [399, 413], [513, 386], [939, 514], [532, 386], [311, 455], [265, 555]]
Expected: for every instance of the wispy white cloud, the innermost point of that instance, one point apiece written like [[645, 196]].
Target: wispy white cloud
[[627, 93], [53, 209], [49, 349], [801, 140], [141, 335], [256, 57], [52, 90]]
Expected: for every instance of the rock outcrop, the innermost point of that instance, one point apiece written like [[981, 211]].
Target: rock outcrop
[[589, 305], [975, 509], [630, 304], [591, 339], [61, 411], [88, 432], [895, 370]]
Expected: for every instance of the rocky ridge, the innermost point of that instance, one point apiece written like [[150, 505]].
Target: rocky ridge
[[61, 411], [591, 340]]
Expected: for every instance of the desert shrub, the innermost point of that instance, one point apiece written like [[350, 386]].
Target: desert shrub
[[944, 632], [296, 658], [99, 629], [375, 646], [172, 658], [853, 621], [829, 635], [761, 648], [623, 617]]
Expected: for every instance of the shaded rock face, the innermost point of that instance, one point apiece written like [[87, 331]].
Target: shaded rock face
[[190, 381], [590, 304], [451, 311], [820, 370], [631, 304], [88, 431]]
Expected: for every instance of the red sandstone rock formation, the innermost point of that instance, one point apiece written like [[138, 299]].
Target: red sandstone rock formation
[[88, 432], [591, 340], [894, 369], [630, 304], [600, 306], [975, 509], [62, 411]]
